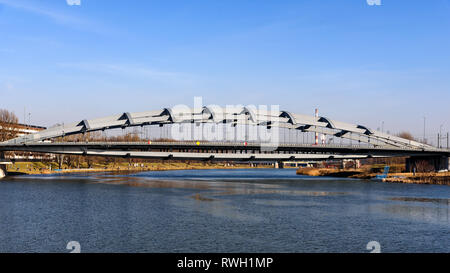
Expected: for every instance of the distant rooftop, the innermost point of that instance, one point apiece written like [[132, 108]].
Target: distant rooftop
[[29, 126]]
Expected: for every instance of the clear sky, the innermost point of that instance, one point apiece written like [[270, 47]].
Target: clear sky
[[356, 62]]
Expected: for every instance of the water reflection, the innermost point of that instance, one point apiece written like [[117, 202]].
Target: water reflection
[[213, 196], [216, 188], [285, 203], [422, 199], [436, 214]]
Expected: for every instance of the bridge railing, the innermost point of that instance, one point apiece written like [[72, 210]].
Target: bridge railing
[[206, 144]]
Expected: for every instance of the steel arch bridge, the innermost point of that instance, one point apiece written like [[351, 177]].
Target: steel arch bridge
[[374, 143], [233, 116]]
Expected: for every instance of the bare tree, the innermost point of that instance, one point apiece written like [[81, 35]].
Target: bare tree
[[406, 135], [8, 125], [60, 160], [423, 166]]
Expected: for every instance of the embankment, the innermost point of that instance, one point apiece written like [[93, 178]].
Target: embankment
[[420, 178], [356, 173], [409, 178]]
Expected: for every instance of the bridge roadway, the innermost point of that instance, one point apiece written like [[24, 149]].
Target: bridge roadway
[[222, 150]]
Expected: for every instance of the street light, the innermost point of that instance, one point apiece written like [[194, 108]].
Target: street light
[[424, 123]]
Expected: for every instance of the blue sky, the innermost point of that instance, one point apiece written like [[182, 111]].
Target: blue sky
[[357, 63]]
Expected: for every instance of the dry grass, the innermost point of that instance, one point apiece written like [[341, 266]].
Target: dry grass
[[368, 173], [51, 168]]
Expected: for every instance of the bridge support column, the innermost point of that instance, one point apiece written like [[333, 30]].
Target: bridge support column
[[2, 171], [279, 165], [2, 166], [427, 163]]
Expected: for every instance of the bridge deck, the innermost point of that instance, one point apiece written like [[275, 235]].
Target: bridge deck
[[220, 150]]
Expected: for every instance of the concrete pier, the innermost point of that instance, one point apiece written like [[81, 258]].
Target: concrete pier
[[279, 165], [2, 171], [3, 164]]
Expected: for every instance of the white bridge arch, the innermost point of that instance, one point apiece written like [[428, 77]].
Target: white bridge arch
[[234, 116]]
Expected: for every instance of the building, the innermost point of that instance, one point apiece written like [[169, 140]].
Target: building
[[17, 130], [24, 129]]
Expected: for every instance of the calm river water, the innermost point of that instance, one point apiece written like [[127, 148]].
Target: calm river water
[[259, 210]]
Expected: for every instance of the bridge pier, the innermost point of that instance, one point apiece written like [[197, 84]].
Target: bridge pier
[[279, 165], [2, 165], [2, 171], [427, 163]]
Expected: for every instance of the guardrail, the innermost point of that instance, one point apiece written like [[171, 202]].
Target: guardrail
[[223, 144]]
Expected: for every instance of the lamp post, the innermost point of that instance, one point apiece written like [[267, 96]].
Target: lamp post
[[447, 139], [424, 126]]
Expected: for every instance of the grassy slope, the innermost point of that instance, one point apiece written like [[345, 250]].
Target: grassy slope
[[48, 168]]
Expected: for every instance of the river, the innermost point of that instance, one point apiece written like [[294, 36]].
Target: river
[[254, 210]]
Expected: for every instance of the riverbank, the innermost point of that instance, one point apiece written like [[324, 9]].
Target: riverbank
[[37, 168], [409, 178], [420, 178]]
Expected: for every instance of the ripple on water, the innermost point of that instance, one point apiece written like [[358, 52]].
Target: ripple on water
[[285, 203], [219, 188], [251, 211], [421, 199], [434, 214]]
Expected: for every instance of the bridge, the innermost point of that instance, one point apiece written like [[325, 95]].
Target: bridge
[[263, 135]]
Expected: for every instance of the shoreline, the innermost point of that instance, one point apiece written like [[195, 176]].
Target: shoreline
[[363, 174], [423, 179]]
